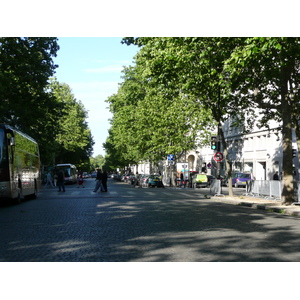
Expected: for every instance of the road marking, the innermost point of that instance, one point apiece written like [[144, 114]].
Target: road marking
[[75, 193], [150, 193], [113, 193]]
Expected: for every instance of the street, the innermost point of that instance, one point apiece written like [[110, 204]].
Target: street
[[130, 224]]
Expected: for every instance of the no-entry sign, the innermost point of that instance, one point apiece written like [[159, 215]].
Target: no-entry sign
[[218, 156]]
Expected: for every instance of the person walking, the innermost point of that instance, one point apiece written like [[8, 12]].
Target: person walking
[[181, 180], [55, 178], [104, 181], [98, 181], [80, 180], [49, 180], [137, 180], [61, 181]]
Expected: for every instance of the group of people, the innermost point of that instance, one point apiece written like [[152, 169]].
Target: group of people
[[101, 181], [59, 180]]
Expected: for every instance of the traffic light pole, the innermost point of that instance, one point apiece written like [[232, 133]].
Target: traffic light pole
[[216, 146]]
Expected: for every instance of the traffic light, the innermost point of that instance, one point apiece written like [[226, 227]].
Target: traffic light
[[213, 143], [294, 152]]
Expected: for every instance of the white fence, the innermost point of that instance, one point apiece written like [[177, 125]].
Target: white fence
[[268, 189], [264, 188]]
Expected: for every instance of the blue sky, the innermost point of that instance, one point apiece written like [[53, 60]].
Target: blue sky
[[92, 67]]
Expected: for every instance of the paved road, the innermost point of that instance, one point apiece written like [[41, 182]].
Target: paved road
[[131, 224]]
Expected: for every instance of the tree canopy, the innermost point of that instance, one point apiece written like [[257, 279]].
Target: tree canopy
[[45, 110], [216, 78]]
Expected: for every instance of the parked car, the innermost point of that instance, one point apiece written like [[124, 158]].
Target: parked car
[[210, 179], [153, 181], [117, 177], [240, 179], [200, 180], [125, 177], [142, 180]]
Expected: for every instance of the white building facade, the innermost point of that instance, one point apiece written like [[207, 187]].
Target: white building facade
[[258, 152]]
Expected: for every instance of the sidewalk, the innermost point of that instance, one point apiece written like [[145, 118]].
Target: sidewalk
[[252, 202], [257, 203]]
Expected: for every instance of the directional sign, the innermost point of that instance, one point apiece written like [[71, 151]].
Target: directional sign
[[218, 156], [171, 157]]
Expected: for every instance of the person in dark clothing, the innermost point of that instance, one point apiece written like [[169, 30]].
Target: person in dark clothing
[[104, 181], [181, 179], [61, 181], [276, 176], [98, 181]]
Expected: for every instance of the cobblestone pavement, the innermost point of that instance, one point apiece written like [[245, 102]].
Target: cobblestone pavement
[[136, 225]]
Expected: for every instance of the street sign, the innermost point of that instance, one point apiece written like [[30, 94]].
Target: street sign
[[171, 157], [218, 156]]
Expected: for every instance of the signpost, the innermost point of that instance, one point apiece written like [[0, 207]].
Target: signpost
[[218, 156]]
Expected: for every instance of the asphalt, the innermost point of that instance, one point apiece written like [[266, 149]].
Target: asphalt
[[262, 204]]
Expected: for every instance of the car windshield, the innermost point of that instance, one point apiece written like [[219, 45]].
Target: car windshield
[[244, 175]]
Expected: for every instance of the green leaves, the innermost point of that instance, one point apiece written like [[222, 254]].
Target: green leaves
[[73, 137], [50, 114]]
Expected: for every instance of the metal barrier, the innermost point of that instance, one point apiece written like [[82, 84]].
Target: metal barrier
[[215, 188], [264, 188]]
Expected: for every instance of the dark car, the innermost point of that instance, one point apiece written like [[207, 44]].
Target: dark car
[[153, 181], [210, 179]]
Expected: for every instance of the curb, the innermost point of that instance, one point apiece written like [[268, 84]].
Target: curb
[[269, 207]]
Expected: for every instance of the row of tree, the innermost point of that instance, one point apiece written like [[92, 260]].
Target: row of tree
[[179, 89], [33, 101]]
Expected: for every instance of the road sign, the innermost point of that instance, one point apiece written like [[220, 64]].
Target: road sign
[[218, 156], [171, 157]]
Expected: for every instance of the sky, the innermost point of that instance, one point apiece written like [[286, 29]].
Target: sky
[[92, 67]]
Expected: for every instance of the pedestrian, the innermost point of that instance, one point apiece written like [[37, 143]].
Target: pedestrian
[[80, 180], [98, 181], [61, 181], [55, 177], [181, 179], [104, 181], [137, 180], [49, 180], [276, 176]]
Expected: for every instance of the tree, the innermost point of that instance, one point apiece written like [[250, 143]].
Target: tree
[[73, 139], [152, 119], [265, 71], [25, 67], [97, 162], [193, 67]]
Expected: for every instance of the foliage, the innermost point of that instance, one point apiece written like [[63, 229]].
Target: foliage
[[152, 119], [73, 137], [96, 162], [265, 73], [231, 78], [47, 112]]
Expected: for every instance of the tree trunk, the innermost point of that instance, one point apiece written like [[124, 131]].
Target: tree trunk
[[228, 165], [298, 140], [287, 161]]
